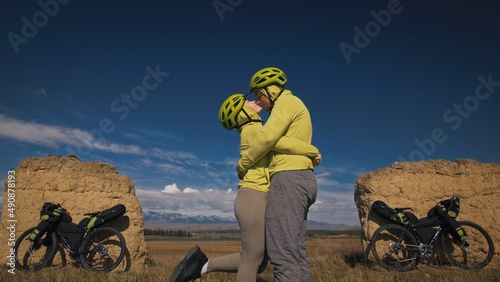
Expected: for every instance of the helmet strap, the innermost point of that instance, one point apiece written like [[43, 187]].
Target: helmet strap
[[249, 119], [277, 96]]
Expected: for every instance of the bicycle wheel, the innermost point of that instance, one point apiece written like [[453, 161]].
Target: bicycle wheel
[[102, 249], [395, 248], [33, 258], [477, 254]]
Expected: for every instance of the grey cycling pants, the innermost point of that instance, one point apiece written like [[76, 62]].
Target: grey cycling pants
[[290, 196]]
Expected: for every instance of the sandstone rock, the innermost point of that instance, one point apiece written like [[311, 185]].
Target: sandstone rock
[[421, 185], [80, 187]]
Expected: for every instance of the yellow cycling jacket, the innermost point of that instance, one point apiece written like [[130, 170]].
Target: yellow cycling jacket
[[289, 118], [257, 176]]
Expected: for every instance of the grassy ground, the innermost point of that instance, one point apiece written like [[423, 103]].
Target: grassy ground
[[338, 259]]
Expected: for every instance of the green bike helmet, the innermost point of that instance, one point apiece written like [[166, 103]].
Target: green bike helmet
[[230, 109], [267, 76]]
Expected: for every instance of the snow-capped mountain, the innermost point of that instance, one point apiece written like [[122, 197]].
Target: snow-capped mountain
[[154, 219]]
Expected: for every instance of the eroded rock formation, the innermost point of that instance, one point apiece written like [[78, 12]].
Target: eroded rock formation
[[80, 187]]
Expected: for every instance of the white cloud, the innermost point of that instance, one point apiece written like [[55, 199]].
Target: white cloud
[[189, 190], [335, 171], [142, 135], [83, 142], [171, 189], [146, 162], [170, 168], [54, 136], [335, 207], [173, 156], [229, 191], [40, 134], [204, 202]]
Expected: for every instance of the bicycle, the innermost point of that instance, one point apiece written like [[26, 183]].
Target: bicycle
[[402, 246], [89, 243]]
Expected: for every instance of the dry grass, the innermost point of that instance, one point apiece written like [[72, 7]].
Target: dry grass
[[338, 259]]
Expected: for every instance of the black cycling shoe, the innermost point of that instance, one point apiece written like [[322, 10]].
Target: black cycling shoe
[[190, 267]]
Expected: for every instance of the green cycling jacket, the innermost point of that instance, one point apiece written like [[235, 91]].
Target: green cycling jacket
[[257, 176], [289, 118]]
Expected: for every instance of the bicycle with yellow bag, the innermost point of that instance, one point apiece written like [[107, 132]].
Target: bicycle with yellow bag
[[90, 243], [438, 238]]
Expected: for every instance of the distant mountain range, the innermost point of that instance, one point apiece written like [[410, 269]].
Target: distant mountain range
[[174, 221], [152, 217], [164, 220]]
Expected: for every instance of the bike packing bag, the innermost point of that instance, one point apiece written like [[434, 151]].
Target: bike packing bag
[[381, 208], [106, 216], [73, 233], [411, 217], [426, 228], [39, 231], [52, 213], [449, 207], [456, 231]]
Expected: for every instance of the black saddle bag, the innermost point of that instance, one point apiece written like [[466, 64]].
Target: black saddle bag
[[104, 216]]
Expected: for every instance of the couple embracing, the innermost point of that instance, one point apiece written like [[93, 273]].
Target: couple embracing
[[277, 185]]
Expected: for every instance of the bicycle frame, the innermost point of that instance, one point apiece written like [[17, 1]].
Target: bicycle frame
[[423, 250], [63, 243]]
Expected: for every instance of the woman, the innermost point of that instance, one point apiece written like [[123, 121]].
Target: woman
[[250, 203]]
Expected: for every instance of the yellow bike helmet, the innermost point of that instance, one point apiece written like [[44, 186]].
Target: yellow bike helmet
[[230, 109], [267, 76]]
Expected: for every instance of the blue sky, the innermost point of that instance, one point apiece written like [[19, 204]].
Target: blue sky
[[139, 85]]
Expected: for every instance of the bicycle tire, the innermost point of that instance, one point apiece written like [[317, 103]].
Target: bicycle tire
[[34, 261], [102, 249], [479, 252], [395, 248]]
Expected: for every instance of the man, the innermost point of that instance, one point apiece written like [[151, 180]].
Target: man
[[293, 184]]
